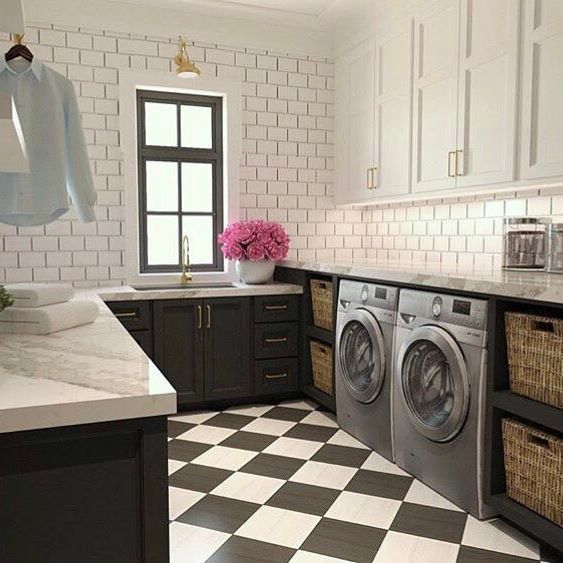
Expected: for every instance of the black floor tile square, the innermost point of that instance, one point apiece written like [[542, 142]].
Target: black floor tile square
[[311, 432], [244, 550], [219, 513], [183, 450], [249, 441], [268, 465], [344, 540], [287, 413], [304, 498], [175, 428], [474, 555], [198, 478], [378, 484], [430, 522], [228, 420], [341, 455]]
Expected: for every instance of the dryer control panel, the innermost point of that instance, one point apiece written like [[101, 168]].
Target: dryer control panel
[[368, 294]]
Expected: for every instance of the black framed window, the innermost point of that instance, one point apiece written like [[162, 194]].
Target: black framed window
[[180, 156]]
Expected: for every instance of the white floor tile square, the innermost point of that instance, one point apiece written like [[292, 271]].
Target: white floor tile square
[[419, 493], [252, 488], [309, 557], [291, 447], [376, 462], [414, 549], [225, 458], [174, 465], [194, 418], [302, 404], [192, 544], [320, 419], [206, 434], [364, 509], [278, 526], [342, 438], [179, 500], [324, 475], [253, 410], [497, 535], [269, 426]]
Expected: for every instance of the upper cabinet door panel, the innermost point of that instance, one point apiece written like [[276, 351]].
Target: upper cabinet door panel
[[393, 117], [542, 119], [488, 72], [435, 95]]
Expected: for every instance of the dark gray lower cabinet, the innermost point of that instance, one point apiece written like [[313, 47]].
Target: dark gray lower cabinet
[[178, 346]]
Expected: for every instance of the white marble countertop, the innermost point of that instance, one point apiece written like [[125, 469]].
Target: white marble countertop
[[92, 373], [537, 286], [128, 293]]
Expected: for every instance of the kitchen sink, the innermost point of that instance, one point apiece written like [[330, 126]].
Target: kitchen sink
[[190, 285]]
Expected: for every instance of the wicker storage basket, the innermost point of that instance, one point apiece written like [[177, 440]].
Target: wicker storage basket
[[535, 357], [321, 297], [533, 463], [321, 364]]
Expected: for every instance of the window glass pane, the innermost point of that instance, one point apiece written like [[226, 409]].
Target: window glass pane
[[162, 185], [197, 186], [200, 233], [162, 240], [196, 127], [161, 126]]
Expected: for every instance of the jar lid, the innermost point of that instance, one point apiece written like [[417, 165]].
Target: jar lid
[[527, 220]]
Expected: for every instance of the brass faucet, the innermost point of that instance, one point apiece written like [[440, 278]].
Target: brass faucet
[[186, 276]]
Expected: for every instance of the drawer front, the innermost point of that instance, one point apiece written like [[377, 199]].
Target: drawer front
[[276, 376], [275, 308], [133, 315], [275, 340]]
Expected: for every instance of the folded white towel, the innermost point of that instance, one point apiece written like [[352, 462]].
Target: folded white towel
[[39, 294], [48, 319]]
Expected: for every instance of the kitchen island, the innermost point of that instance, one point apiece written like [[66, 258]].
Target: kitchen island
[[83, 447]]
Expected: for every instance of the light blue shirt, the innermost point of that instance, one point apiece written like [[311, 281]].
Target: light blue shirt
[[59, 164]]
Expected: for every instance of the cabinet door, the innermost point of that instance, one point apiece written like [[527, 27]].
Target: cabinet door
[[354, 123], [435, 95], [393, 110], [227, 348], [178, 346], [542, 122], [488, 79]]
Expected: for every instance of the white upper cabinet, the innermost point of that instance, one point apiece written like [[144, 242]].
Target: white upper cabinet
[[435, 96], [354, 125], [392, 111], [542, 96]]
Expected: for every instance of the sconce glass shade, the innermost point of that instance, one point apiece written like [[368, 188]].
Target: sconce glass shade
[[11, 20], [13, 153], [185, 68]]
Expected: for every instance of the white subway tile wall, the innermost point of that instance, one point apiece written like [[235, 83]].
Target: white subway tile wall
[[286, 169]]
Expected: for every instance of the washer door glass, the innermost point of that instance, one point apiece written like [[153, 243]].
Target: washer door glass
[[435, 384], [362, 356]]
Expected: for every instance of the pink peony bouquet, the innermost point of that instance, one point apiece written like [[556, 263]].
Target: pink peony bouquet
[[254, 240]]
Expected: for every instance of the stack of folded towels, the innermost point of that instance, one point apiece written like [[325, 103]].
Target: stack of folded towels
[[41, 308]]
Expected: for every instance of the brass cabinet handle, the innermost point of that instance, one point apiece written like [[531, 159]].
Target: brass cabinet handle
[[275, 307], [275, 340], [126, 315], [450, 173], [199, 317], [208, 316], [459, 157], [275, 375]]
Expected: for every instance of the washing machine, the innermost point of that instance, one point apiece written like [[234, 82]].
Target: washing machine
[[440, 368], [363, 374]]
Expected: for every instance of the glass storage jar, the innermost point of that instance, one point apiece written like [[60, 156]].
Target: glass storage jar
[[524, 243], [555, 248]]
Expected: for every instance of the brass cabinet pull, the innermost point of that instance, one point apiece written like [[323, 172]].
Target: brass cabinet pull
[[275, 340], [126, 315], [199, 317], [275, 375], [208, 316], [450, 173], [459, 157], [275, 307]]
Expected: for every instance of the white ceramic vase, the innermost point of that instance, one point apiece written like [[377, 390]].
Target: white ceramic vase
[[255, 272]]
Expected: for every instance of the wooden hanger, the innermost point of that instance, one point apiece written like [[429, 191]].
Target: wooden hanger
[[18, 50]]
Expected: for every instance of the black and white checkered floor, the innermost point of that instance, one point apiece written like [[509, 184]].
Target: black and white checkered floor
[[284, 483]]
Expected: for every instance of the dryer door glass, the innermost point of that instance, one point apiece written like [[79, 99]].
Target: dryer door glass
[[435, 384], [362, 356]]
